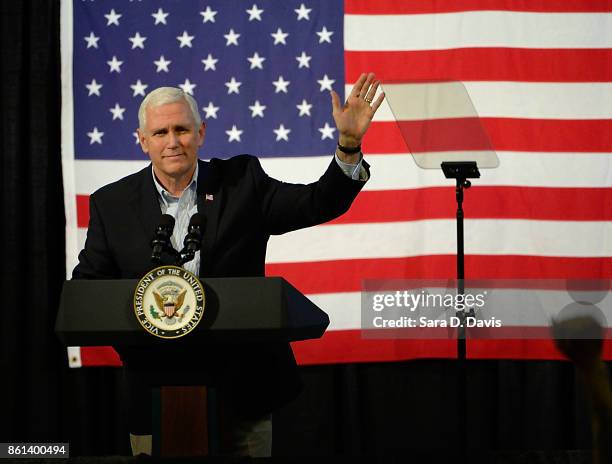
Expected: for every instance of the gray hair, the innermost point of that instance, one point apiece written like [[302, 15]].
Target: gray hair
[[163, 96]]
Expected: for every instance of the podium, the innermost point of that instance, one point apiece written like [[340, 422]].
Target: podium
[[237, 310]]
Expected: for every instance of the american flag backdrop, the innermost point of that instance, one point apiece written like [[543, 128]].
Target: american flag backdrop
[[539, 73]]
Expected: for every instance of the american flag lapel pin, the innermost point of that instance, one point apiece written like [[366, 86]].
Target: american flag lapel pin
[[208, 197]]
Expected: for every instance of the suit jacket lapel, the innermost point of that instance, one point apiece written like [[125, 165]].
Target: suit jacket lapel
[[209, 199], [146, 203]]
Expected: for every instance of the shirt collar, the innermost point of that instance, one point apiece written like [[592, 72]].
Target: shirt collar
[[164, 194]]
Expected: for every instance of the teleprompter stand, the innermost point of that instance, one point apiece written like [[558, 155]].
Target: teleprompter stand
[[237, 310], [441, 129], [461, 171]]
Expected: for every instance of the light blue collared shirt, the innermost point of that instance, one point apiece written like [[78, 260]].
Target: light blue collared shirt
[[181, 209]]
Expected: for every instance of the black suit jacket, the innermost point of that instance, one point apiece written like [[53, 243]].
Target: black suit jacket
[[247, 207]]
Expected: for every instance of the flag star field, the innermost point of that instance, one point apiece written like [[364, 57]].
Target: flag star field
[[232, 56]]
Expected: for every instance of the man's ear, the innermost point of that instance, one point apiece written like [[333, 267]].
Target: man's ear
[[144, 141], [202, 133]]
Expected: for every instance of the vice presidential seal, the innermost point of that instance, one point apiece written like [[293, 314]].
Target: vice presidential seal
[[169, 302]]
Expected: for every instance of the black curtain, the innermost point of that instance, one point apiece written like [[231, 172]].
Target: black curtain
[[399, 409], [32, 231], [373, 409]]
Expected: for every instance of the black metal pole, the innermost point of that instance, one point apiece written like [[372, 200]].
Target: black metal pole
[[462, 184], [462, 434], [461, 171]]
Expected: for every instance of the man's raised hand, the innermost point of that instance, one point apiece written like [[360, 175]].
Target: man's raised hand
[[354, 117]]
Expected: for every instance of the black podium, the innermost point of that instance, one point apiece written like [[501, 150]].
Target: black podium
[[245, 309]]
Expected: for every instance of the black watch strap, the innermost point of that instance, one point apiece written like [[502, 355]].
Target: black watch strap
[[349, 150]]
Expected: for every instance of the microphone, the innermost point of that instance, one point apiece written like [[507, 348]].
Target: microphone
[[193, 239], [163, 232]]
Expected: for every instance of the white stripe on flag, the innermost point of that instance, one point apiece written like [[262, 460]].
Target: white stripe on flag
[[393, 172], [74, 356], [67, 133], [477, 29], [93, 174], [343, 309], [433, 237], [437, 236], [534, 100]]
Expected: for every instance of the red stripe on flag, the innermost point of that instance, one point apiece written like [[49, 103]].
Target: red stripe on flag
[[511, 134], [99, 356], [540, 203], [466, 64], [347, 275], [82, 204], [368, 7], [445, 134], [346, 346]]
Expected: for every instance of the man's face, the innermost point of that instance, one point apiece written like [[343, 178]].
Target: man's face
[[171, 139]]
